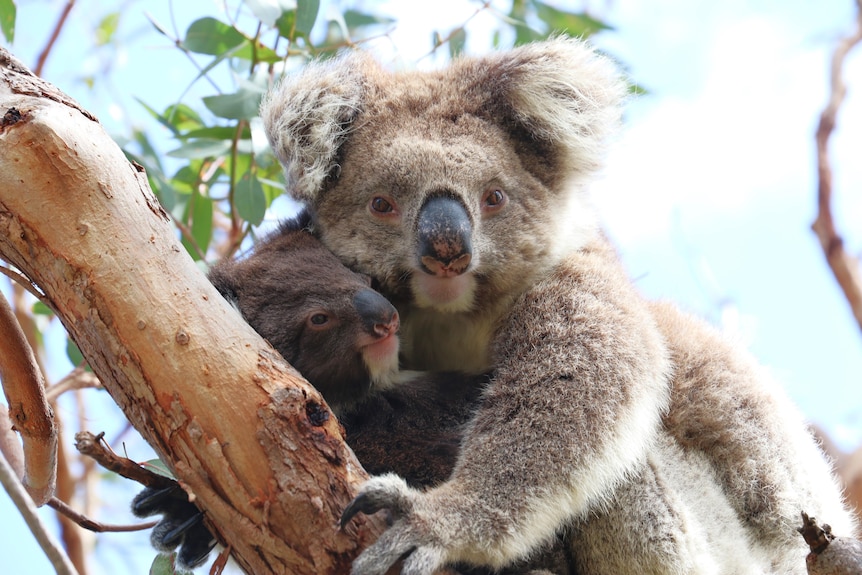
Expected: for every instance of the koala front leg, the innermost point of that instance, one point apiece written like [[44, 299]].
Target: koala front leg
[[576, 399]]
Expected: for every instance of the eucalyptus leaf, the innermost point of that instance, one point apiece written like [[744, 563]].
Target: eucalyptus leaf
[[163, 564], [40, 308], [242, 104], [201, 209], [107, 28], [8, 13], [73, 353], [306, 15], [201, 148], [268, 11], [250, 200], [211, 36], [579, 25], [355, 19]]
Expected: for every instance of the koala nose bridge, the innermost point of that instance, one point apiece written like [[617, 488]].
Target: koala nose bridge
[[444, 234], [378, 316]]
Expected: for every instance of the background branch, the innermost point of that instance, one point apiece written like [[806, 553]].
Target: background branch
[[32, 417], [25, 505], [844, 267]]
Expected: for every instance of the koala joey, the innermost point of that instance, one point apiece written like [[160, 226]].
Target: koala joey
[[463, 193]]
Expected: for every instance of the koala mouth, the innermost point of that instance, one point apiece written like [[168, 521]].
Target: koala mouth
[[381, 359], [451, 294]]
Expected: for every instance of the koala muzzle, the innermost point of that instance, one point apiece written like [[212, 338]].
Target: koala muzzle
[[444, 237], [378, 316]]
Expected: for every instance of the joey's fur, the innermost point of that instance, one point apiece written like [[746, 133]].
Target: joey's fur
[[603, 410]]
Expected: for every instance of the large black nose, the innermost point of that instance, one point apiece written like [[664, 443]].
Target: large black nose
[[444, 233], [378, 316]]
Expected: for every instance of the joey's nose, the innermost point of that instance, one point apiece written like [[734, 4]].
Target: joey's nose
[[444, 234], [378, 316]]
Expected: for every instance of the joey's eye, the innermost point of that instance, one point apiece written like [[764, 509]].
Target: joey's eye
[[494, 199], [381, 205], [318, 320]]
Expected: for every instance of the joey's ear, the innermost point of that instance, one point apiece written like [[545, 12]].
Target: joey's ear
[[308, 116], [559, 93]]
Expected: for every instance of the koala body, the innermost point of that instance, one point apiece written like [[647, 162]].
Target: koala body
[[463, 193]]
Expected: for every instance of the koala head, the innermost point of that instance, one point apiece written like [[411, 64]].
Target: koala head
[[323, 318], [452, 188]]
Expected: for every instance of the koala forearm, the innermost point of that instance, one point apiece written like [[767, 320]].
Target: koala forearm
[[604, 389]]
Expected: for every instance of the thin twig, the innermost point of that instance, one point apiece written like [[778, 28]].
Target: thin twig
[[78, 378], [451, 34], [94, 446], [844, 267], [40, 63], [26, 284], [93, 525], [27, 508]]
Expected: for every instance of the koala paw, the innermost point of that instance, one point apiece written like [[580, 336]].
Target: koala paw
[[413, 535], [181, 525]]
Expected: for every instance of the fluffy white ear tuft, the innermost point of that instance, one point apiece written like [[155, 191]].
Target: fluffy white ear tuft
[[559, 92], [307, 118]]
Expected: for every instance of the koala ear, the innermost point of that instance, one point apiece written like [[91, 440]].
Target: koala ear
[[307, 118], [560, 93]]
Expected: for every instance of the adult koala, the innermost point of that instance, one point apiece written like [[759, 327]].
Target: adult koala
[[463, 193]]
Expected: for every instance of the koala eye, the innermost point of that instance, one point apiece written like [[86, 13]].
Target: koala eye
[[493, 200], [318, 320], [382, 205]]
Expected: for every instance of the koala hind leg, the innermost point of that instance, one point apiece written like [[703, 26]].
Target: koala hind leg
[[670, 518]]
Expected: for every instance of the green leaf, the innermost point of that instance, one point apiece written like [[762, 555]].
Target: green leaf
[[158, 467], [163, 564], [249, 199], [285, 24], [201, 148], [201, 209], [217, 133], [268, 11], [355, 19], [211, 36], [306, 15], [106, 28], [243, 104], [260, 53], [40, 308], [8, 12], [457, 41], [579, 25], [73, 353]]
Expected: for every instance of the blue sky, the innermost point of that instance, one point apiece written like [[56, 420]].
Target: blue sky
[[709, 194]]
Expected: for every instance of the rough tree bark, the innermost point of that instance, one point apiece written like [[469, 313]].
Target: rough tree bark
[[239, 428]]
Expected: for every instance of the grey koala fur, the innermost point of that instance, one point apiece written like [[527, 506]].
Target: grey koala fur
[[463, 193]]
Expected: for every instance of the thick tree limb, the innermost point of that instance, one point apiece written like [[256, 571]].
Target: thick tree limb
[[212, 398], [844, 266], [31, 415]]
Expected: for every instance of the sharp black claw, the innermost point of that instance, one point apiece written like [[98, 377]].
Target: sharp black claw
[[175, 535], [153, 501], [361, 504]]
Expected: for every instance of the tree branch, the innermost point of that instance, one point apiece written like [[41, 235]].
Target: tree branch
[[25, 505], [93, 525], [844, 267], [217, 404], [33, 418]]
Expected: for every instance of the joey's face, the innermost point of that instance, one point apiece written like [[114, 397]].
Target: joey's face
[[442, 210]]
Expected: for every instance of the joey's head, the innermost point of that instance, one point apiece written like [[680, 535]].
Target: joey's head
[[456, 188], [324, 319]]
